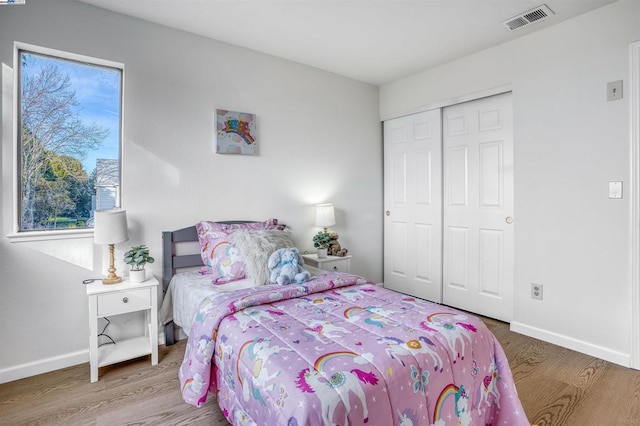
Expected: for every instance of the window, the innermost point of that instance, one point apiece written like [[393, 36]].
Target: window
[[69, 138]]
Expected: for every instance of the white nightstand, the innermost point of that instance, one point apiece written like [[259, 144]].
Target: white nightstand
[[115, 299], [329, 263]]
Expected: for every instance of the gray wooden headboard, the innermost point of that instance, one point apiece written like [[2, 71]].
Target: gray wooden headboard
[[171, 261]]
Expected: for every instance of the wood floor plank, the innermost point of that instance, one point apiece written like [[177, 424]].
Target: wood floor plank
[[622, 409]]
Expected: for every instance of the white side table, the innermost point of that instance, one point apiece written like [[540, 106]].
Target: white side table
[[329, 263], [116, 299]]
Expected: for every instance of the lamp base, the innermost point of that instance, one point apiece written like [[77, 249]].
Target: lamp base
[[112, 280]]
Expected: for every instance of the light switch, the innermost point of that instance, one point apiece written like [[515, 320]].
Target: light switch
[[615, 189], [614, 90]]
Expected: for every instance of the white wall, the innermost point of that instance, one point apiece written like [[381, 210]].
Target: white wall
[[569, 143], [319, 140]]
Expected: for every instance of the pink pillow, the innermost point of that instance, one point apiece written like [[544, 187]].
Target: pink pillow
[[220, 256]]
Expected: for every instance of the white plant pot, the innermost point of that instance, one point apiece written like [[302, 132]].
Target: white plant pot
[[137, 276], [322, 253]]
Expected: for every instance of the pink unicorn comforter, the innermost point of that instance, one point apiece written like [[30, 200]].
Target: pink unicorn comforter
[[340, 350]]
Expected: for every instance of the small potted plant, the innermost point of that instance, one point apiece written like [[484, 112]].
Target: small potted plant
[[321, 241], [137, 257]]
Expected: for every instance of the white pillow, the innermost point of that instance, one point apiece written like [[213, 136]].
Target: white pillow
[[256, 247]]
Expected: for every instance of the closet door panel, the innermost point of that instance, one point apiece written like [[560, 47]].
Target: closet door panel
[[413, 205], [478, 198]]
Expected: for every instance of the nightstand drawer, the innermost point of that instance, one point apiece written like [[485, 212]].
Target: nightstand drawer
[[124, 301], [336, 265], [329, 263]]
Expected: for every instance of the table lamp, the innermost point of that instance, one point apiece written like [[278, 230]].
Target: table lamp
[[110, 227], [325, 216]]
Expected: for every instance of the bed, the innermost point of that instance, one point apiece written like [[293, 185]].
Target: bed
[[337, 350]]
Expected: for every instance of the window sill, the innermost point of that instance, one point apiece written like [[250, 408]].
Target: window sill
[[23, 237]]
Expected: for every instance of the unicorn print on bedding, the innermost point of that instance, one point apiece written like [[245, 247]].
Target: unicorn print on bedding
[[339, 350], [259, 351], [331, 387], [321, 330]]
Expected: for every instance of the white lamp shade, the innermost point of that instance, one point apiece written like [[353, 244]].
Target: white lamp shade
[[325, 215], [110, 227]]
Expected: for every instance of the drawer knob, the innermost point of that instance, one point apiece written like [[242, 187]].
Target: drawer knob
[[125, 300]]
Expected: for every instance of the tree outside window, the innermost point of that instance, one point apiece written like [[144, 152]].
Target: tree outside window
[[69, 139]]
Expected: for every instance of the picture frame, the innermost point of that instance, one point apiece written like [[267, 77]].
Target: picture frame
[[236, 133]]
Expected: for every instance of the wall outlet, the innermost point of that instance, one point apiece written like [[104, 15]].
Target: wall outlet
[[536, 291]]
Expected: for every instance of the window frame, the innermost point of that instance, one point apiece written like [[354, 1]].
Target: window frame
[[62, 233]]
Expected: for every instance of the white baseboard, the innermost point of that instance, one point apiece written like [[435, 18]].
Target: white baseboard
[[573, 344], [34, 368], [47, 365]]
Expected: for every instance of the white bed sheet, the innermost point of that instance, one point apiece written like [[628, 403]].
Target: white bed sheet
[[187, 290]]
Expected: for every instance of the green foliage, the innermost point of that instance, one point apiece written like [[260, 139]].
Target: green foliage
[[137, 257], [63, 195], [321, 240]]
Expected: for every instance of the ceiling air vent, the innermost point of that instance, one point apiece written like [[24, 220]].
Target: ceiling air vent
[[528, 17]]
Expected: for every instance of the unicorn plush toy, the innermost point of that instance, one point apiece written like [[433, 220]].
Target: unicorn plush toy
[[285, 265]]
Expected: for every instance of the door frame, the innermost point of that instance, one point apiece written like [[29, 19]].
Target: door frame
[[634, 51], [498, 90]]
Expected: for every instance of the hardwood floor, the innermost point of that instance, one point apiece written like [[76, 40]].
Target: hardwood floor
[[132, 393], [557, 387]]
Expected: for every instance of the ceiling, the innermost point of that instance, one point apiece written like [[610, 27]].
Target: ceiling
[[374, 41]]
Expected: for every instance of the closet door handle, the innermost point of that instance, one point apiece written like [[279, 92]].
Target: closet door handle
[[387, 213], [508, 219]]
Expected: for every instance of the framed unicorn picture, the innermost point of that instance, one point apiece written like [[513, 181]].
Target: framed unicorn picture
[[236, 133]]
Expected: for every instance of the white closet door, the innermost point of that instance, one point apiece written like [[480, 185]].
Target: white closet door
[[413, 205], [478, 206]]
